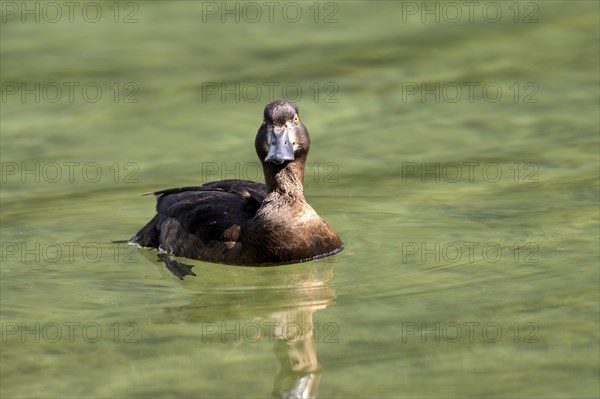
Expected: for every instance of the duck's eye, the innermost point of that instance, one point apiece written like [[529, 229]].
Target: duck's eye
[[264, 122], [296, 119]]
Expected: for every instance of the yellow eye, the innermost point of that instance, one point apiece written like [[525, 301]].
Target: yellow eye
[[296, 120], [264, 122]]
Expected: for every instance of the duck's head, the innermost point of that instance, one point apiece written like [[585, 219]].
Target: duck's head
[[282, 137]]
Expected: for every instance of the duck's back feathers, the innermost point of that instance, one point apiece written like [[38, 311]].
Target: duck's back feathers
[[201, 217]]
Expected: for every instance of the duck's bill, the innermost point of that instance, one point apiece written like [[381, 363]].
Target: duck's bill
[[281, 147]]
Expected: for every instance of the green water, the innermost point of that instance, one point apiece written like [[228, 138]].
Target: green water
[[457, 158]]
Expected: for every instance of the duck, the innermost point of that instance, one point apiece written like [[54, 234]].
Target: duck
[[242, 222]]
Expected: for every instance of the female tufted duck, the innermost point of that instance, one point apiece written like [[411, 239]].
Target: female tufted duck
[[246, 223]]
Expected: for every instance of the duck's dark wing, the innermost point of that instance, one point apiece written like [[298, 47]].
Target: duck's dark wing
[[192, 220]]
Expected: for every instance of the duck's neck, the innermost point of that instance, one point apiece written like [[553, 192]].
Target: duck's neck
[[286, 181]]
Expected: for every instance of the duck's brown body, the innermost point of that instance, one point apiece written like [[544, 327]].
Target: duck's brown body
[[243, 222]]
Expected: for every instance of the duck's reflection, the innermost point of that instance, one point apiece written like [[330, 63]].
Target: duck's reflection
[[299, 371], [280, 301]]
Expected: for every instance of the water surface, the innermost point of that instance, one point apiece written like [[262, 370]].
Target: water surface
[[457, 158]]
